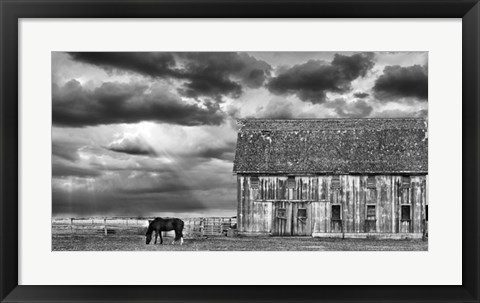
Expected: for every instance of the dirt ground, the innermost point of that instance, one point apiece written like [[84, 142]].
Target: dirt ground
[[62, 242]]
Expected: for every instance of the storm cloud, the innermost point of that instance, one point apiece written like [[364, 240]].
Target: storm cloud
[[361, 95], [154, 64], [65, 150], [312, 80], [223, 151], [205, 74], [402, 82], [65, 169], [217, 74], [132, 146], [113, 102]]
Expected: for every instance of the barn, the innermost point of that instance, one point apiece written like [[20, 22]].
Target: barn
[[332, 177]]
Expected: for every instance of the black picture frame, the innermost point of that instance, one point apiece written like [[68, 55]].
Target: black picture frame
[[13, 10]]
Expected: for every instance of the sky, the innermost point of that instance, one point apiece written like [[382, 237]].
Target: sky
[[154, 133]]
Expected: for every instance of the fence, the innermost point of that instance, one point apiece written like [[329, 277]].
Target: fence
[[194, 227]]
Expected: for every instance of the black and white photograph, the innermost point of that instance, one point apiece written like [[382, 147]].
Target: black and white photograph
[[240, 151]]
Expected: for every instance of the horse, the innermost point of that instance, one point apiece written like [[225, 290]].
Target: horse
[[159, 224]]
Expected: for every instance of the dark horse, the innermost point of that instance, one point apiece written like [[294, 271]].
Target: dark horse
[[159, 224]]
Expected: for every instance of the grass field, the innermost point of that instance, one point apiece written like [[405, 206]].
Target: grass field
[[62, 242]]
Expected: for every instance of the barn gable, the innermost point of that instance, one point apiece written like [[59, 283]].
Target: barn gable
[[338, 146]]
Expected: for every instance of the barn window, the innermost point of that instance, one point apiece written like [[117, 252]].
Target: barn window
[[371, 182], [405, 213], [254, 182], [405, 182], [336, 212], [291, 182], [281, 213], [371, 213], [302, 213], [335, 182]]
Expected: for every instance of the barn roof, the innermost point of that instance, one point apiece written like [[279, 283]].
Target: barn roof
[[363, 146]]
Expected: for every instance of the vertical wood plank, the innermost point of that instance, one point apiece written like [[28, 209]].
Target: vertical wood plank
[[392, 195], [239, 203], [362, 197]]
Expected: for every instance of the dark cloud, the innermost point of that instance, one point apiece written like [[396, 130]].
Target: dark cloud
[[132, 146], [204, 74], [112, 102], [352, 67], [312, 80], [210, 85], [217, 74], [62, 170], [402, 82], [361, 95], [155, 64], [355, 109], [65, 150], [223, 152], [66, 161]]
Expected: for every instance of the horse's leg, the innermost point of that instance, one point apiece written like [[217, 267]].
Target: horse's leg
[[156, 236], [161, 239], [175, 239], [181, 235]]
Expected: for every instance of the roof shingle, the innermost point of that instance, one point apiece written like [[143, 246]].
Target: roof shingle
[[357, 146]]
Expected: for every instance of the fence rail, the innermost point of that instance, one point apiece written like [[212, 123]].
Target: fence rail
[[194, 227]]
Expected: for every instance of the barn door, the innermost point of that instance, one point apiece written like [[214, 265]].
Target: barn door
[[301, 219], [282, 219]]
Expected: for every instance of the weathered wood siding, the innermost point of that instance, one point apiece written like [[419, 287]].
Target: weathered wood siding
[[257, 207], [254, 215], [282, 226]]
